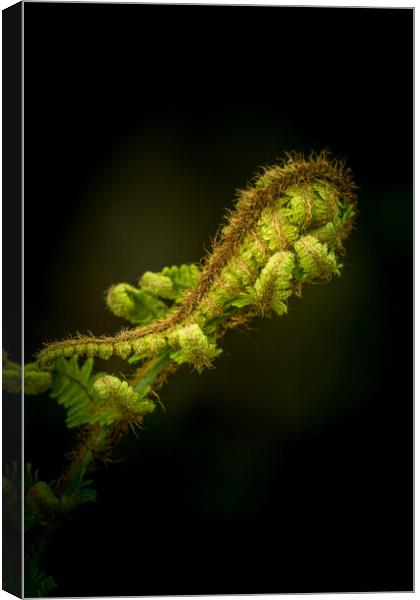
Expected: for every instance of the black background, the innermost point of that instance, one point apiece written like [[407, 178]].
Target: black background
[[288, 467]]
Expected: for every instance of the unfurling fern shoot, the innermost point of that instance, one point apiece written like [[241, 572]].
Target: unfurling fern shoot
[[287, 229]]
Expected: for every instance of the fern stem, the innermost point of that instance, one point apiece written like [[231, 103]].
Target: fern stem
[[98, 438], [148, 373], [89, 448]]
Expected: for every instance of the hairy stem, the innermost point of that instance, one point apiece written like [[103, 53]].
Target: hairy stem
[[149, 372], [98, 437]]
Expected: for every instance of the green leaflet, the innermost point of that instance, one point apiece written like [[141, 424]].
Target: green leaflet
[[170, 283], [91, 399], [35, 380], [316, 259], [46, 505], [243, 299], [12, 495], [193, 346], [154, 296], [37, 583], [136, 305], [183, 278], [11, 486], [272, 288], [157, 285], [31, 478], [72, 387], [124, 399], [146, 308], [11, 375]]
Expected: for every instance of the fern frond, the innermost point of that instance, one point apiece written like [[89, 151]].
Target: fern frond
[[172, 282], [156, 294], [72, 388], [99, 398], [37, 583], [36, 381], [11, 504], [11, 375]]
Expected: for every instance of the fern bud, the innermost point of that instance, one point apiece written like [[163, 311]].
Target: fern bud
[[151, 344], [114, 392], [108, 386], [137, 306], [105, 351], [272, 287], [36, 381], [194, 346], [42, 500], [91, 350], [157, 285], [123, 349], [11, 377], [315, 259], [120, 300], [44, 503]]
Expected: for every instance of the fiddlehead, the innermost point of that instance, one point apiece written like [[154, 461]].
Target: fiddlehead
[[287, 229]]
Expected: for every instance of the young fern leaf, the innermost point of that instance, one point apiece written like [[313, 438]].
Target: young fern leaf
[[37, 583], [122, 402], [45, 505], [35, 380], [156, 294], [95, 399], [135, 305], [72, 387], [11, 375], [174, 281], [31, 478], [11, 488]]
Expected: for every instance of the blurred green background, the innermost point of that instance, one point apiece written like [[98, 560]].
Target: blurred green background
[[141, 123]]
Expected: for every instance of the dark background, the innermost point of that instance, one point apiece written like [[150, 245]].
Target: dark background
[[288, 467]]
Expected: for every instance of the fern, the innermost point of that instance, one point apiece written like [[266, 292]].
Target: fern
[[11, 375], [91, 399], [287, 229], [31, 478], [178, 280], [72, 387], [37, 583], [11, 488], [156, 294], [86, 493]]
